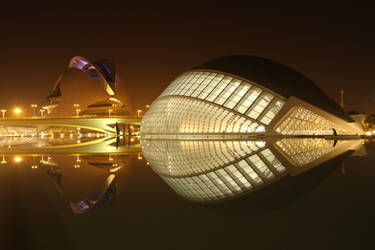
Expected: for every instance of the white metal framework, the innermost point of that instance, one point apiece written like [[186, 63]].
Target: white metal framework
[[203, 102], [301, 121], [210, 102]]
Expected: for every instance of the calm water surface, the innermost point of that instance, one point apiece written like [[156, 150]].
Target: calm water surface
[[83, 199]]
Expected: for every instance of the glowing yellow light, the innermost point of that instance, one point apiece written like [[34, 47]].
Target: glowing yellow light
[[115, 169], [132, 139], [368, 133], [17, 111], [3, 161], [17, 159]]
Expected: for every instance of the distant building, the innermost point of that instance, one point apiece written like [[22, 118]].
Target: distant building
[[244, 95], [87, 84]]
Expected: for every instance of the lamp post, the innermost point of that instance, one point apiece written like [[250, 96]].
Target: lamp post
[[76, 107], [3, 111], [139, 111], [109, 112], [33, 106], [42, 112]]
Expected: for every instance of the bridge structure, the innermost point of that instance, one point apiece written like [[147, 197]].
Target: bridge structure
[[101, 124], [98, 146]]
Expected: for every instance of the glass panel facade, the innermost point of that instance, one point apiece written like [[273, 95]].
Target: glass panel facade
[[301, 121], [249, 98], [260, 104], [272, 112], [213, 103], [237, 95], [183, 115]]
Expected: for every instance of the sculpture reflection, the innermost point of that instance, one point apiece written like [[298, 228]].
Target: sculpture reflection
[[209, 171]]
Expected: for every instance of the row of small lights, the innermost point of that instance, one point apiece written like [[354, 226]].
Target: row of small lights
[[18, 111], [18, 159]]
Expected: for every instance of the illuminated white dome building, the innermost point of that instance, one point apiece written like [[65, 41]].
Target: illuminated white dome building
[[238, 96]]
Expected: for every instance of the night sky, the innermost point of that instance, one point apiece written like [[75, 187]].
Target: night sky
[[153, 43]]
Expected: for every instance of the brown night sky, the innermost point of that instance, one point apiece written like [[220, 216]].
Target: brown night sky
[[151, 44]]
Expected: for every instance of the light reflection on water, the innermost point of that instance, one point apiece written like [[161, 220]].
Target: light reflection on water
[[203, 171], [249, 179], [213, 171]]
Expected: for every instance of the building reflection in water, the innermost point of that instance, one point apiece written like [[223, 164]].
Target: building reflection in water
[[89, 181], [208, 171], [87, 175], [203, 171]]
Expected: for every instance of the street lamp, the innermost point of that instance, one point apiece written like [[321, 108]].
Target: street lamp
[[77, 112], [33, 106], [139, 111], [147, 106], [109, 112], [17, 111], [42, 112], [3, 111], [3, 161], [17, 159]]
